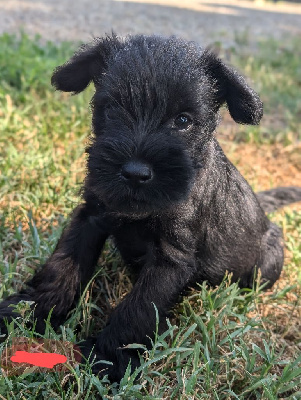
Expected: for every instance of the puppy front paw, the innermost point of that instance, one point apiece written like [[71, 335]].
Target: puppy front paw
[[113, 363], [8, 309]]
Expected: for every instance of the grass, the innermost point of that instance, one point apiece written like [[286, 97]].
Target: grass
[[222, 343]]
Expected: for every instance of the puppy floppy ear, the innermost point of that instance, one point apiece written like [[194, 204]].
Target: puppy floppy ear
[[85, 65], [244, 104], [76, 74]]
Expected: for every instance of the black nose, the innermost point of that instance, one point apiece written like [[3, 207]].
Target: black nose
[[136, 172]]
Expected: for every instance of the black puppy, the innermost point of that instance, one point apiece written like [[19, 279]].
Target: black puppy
[[160, 184]]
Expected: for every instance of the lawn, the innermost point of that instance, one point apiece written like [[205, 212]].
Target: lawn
[[222, 343]]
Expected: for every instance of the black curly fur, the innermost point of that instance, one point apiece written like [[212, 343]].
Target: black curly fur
[[191, 217]]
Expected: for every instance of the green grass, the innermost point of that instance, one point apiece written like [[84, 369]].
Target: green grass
[[222, 343]]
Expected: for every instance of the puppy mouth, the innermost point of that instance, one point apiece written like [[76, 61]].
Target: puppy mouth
[[130, 207], [139, 205], [129, 214]]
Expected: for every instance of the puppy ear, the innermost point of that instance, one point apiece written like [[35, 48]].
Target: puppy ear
[[85, 65], [244, 104], [76, 74]]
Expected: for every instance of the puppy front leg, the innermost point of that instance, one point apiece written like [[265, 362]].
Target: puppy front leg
[[134, 319], [69, 267]]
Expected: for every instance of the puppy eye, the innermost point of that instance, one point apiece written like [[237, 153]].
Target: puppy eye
[[183, 121]]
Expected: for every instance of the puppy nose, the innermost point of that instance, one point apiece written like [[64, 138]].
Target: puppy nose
[[136, 172]]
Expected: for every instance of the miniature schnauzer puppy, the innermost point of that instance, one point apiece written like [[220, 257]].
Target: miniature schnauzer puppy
[[159, 183]]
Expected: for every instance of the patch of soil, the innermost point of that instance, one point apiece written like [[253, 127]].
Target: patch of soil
[[266, 166]]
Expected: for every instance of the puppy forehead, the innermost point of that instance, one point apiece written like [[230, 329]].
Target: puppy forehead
[[155, 65], [154, 53]]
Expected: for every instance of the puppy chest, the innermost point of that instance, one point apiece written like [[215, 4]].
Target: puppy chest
[[135, 241]]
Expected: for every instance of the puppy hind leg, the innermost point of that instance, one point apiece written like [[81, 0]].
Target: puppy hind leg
[[270, 261], [272, 255]]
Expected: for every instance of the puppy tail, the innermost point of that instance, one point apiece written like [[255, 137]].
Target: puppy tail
[[271, 200]]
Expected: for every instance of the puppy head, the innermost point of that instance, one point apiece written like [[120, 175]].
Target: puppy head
[[155, 109]]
